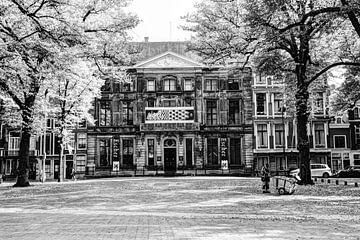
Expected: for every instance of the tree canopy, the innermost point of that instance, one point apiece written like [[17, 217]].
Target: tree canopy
[[298, 39], [36, 38]]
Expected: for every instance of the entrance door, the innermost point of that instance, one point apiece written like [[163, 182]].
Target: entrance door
[[170, 160], [69, 167]]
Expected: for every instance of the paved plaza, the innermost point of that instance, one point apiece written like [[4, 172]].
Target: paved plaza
[[177, 208]]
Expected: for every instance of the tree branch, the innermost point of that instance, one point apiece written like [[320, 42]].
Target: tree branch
[[318, 74], [6, 89]]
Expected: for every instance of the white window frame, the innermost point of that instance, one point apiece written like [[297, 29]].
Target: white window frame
[[257, 138], [150, 87], [78, 142], [188, 86]]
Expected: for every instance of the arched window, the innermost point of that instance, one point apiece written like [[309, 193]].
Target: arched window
[[169, 83]]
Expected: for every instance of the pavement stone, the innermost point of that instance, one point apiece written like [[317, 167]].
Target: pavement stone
[[184, 208]]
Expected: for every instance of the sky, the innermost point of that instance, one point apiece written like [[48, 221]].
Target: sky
[[160, 19]]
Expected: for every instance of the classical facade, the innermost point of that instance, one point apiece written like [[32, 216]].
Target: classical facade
[[173, 114], [275, 131]]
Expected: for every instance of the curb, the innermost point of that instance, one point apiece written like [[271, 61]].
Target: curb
[[337, 182]]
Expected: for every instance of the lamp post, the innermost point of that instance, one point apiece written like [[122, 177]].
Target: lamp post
[[43, 177], [283, 109]]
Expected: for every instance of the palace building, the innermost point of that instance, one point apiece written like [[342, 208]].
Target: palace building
[[174, 114]]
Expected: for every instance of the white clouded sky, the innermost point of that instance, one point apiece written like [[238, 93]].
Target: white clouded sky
[[161, 19]]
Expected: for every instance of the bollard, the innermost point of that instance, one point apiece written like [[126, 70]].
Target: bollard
[[329, 181], [337, 182], [315, 179], [356, 184], [345, 183]]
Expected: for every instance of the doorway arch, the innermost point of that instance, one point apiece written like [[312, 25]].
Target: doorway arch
[[170, 155]]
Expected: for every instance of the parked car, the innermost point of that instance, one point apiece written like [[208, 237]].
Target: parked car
[[349, 171], [320, 170]]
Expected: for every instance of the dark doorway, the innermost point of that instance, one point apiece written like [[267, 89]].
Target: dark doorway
[[69, 167], [170, 160]]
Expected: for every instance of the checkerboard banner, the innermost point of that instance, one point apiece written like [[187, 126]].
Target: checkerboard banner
[[169, 115]]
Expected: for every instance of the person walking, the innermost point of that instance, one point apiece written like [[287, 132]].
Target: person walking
[[265, 178]]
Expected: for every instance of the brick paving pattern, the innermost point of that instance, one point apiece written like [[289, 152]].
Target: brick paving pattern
[[176, 208]]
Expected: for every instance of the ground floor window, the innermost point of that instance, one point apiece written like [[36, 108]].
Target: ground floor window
[[105, 157], [261, 161], [151, 152], [280, 163], [356, 159], [235, 151], [80, 163], [189, 151], [128, 152], [212, 151]]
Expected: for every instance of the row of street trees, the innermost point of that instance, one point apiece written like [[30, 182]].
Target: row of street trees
[[302, 39], [52, 52]]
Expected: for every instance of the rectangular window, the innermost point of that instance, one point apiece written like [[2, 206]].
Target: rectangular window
[[211, 112], [105, 114], [128, 152], [233, 84], [49, 144], [357, 135], [151, 152], [278, 103], [319, 102], [169, 103], [211, 85], [151, 102], [14, 141], [356, 159], [356, 113], [279, 135], [80, 163], [260, 103], [260, 79], [234, 112], [339, 141], [169, 85], [127, 113], [235, 153], [81, 141], [262, 161], [319, 135], [212, 151], [262, 135], [189, 152], [151, 85], [280, 163], [188, 85], [105, 157]]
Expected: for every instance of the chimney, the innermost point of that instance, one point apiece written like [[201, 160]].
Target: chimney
[[146, 39]]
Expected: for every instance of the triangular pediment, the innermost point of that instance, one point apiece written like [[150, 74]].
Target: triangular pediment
[[168, 60]]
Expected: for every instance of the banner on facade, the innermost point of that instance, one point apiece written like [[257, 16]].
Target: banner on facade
[[169, 115], [116, 165]]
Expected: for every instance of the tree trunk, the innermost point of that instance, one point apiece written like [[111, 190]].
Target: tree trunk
[[24, 161], [302, 115], [61, 161]]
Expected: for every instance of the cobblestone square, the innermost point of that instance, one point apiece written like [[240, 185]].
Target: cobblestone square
[[177, 208]]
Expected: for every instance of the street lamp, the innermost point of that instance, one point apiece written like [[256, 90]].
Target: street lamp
[[283, 109], [43, 177]]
